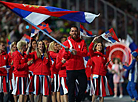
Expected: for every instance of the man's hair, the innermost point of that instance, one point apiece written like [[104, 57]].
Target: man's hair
[[20, 44], [74, 27]]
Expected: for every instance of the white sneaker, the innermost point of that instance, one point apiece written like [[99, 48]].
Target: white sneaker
[[114, 96], [120, 96]]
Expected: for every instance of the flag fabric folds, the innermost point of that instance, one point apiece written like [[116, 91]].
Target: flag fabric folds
[[110, 36], [26, 38], [84, 32], [45, 27], [42, 26], [37, 14], [34, 31], [131, 43], [85, 59]]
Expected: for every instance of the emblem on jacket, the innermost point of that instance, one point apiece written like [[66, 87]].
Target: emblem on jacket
[[4, 58], [78, 46]]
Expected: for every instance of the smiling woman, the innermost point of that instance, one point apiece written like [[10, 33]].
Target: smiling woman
[[98, 71], [41, 72]]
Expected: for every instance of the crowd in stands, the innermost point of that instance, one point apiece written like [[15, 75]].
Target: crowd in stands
[[13, 27]]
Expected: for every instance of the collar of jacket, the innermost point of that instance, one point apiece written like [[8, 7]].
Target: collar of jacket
[[76, 40], [99, 53]]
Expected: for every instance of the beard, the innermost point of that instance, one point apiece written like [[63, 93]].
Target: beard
[[74, 36]]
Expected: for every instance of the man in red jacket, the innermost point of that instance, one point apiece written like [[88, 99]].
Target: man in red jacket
[[75, 64], [4, 88]]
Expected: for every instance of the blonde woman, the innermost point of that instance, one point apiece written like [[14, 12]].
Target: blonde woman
[[13, 48], [53, 49], [20, 71]]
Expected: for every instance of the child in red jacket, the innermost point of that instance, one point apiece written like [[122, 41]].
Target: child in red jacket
[[100, 86]]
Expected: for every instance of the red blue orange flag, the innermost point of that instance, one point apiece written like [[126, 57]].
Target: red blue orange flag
[[42, 26], [110, 36], [26, 38], [85, 32], [37, 14]]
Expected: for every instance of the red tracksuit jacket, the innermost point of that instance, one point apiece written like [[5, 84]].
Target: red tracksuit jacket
[[31, 67], [61, 66], [11, 56], [20, 64], [75, 62], [98, 61], [3, 61], [53, 67], [42, 67]]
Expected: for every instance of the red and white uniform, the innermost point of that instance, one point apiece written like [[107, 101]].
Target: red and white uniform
[[54, 72], [20, 73], [11, 56], [62, 73], [75, 62], [97, 63], [30, 87], [88, 74], [41, 73], [3, 73]]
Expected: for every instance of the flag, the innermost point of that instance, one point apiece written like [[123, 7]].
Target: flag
[[136, 50], [42, 26], [34, 17], [26, 38], [131, 43], [85, 32], [110, 36], [34, 31], [8, 45], [85, 59], [36, 14], [46, 27]]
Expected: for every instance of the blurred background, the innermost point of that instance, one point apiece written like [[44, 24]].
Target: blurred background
[[122, 15]]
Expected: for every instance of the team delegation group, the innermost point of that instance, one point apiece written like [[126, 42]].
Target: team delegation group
[[41, 71]]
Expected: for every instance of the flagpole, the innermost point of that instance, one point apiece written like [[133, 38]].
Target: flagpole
[[45, 33], [30, 39]]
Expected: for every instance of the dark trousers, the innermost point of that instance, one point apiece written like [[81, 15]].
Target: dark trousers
[[80, 75]]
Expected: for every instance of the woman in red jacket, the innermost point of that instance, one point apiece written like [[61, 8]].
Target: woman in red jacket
[[20, 72], [53, 49], [61, 66], [100, 86], [4, 87], [13, 48], [41, 72], [31, 49]]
